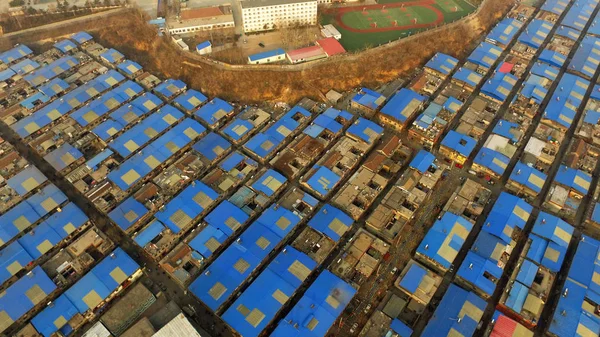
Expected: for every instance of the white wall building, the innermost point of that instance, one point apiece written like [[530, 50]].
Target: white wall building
[[201, 19], [259, 15]]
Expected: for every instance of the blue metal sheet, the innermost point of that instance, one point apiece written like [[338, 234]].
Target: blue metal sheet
[[116, 265], [460, 143], [62, 157], [313, 305], [39, 240], [369, 98], [26, 180], [212, 146], [269, 180], [439, 235], [442, 63], [128, 213], [65, 46], [13, 258], [226, 213], [190, 100], [15, 302], [422, 161], [491, 159], [208, 233], [324, 218], [413, 278], [149, 233], [15, 54], [69, 219], [366, 130], [81, 37], [397, 104], [401, 328], [55, 316], [266, 55], [279, 220], [323, 180], [445, 317], [214, 111]]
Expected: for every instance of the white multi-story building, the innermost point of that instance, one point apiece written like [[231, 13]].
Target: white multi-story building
[[259, 15]]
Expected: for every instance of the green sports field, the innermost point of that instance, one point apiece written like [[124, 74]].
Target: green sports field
[[389, 17], [359, 29]]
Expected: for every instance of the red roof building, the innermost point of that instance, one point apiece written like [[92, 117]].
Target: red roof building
[[331, 46], [306, 54], [506, 327]]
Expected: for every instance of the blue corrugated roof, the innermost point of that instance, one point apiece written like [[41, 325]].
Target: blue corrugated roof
[[6, 74], [542, 70], [67, 220], [535, 33], [323, 180], [473, 269], [214, 111], [313, 315], [15, 54], [508, 212], [65, 46], [51, 70], [468, 76], [369, 98], [81, 37], [441, 238], [516, 297], [555, 6], [13, 258], [34, 100], [579, 14], [40, 240], [149, 233], [485, 54], [366, 130], [128, 213], [460, 143], [160, 150], [266, 142], [113, 268], [327, 219], [493, 160], [573, 178], [136, 137], [527, 272], [88, 287], [401, 328], [212, 146], [93, 111], [112, 56], [202, 45], [507, 129], [234, 265], [566, 99], [442, 63], [186, 206], [190, 100], [553, 228], [279, 220], [450, 309], [206, 235], [99, 158], [596, 213], [62, 157], [403, 104], [586, 59], [54, 316], [102, 280], [269, 291], [537, 248], [499, 86], [528, 176], [15, 302], [26, 180], [170, 87], [227, 217], [67, 103], [567, 32], [129, 67], [266, 54], [54, 87], [269, 183], [413, 278], [553, 58], [24, 67], [504, 31], [16, 220], [422, 161], [429, 115]]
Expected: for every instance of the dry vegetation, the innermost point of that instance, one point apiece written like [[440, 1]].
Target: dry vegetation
[[130, 34]]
